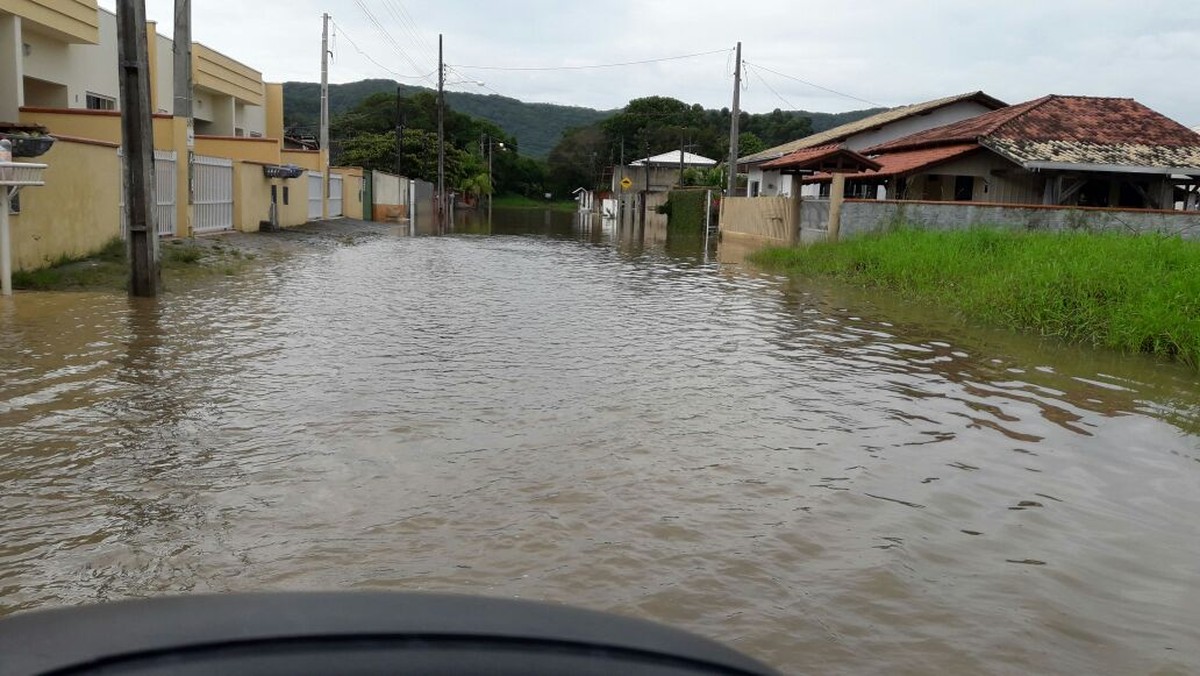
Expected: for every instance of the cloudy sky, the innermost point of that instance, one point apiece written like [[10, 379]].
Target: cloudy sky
[[886, 52]]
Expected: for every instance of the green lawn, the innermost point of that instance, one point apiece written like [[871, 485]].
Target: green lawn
[[1133, 293]]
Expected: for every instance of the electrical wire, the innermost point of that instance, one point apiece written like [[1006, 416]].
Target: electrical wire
[[387, 36], [595, 66], [817, 86], [382, 67], [766, 84]]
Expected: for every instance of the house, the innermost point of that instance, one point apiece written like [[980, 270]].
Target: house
[[869, 131], [1076, 151], [59, 72], [60, 55], [659, 173]]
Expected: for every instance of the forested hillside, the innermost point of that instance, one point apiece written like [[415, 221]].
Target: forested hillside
[[537, 127]]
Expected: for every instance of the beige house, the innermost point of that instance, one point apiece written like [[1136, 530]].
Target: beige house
[[59, 72]]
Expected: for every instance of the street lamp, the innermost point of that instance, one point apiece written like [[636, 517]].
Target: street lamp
[[491, 146]]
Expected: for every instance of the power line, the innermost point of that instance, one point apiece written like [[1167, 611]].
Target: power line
[[766, 84], [368, 57], [594, 66], [400, 13], [387, 36], [817, 86]]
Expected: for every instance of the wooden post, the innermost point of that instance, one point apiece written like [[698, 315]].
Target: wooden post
[[837, 196], [137, 138]]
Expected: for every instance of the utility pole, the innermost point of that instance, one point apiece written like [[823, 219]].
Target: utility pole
[[441, 115], [324, 117], [733, 124], [137, 138], [399, 133], [619, 189], [182, 49], [681, 147], [646, 194]]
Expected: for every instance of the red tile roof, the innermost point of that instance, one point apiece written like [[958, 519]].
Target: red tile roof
[[819, 157], [901, 163], [1057, 130]]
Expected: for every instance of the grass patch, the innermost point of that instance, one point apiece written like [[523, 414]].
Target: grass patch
[[520, 202], [108, 268], [1137, 294]]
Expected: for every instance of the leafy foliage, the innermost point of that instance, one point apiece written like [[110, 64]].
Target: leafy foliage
[[538, 126]]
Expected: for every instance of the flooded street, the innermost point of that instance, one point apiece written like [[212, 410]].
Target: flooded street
[[826, 479]]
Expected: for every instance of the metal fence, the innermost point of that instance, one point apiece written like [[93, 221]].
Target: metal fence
[[165, 168], [213, 198]]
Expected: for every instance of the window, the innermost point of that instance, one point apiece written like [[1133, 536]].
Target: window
[[964, 188], [285, 194], [754, 188], [239, 132], [100, 102]]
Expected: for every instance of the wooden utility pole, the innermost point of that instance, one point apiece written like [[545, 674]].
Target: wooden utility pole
[[681, 147], [441, 117], [324, 117], [182, 49], [733, 124], [137, 139]]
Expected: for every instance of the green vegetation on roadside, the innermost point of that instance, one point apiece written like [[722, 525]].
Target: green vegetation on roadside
[[1132, 293], [108, 268]]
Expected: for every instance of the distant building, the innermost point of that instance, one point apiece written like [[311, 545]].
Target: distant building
[[662, 172]]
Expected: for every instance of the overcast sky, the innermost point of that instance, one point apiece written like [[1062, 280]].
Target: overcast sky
[[886, 52]]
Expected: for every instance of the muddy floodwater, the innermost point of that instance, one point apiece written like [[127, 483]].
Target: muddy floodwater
[[830, 480]]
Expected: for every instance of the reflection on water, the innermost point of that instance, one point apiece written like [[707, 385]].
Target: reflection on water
[[829, 479]]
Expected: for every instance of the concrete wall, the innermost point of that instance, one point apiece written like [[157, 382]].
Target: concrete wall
[[96, 125], [864, 216], [309, 159], [352, 191], [767, 218], [75, 213], [246, 149], [251, 196], [76, 68], [389, 196], [67, 20]]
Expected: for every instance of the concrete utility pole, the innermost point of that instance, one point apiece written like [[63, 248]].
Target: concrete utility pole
[[733, 124], [182, 49], [137, 139], [399, 133], [324, 116], [646, 194], [441, 115]]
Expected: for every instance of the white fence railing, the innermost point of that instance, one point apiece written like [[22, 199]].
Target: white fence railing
[[165, 168], [335, 195], [315, 185], [213, 200]]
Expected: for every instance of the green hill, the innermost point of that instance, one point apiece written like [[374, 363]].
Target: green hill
[[537, 126]]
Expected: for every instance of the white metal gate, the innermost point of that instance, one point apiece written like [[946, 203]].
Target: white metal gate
[[213, 201], [316, 184], [165, 167], [335, 195]]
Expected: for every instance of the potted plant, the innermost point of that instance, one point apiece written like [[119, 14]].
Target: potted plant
[[27, 140]]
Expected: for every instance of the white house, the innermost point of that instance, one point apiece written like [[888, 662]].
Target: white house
[[659, 173]]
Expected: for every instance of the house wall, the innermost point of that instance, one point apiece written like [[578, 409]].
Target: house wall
[[73, 21], [997, 180], [94, 124], [773, 183], [865, 216], [251, 196], [774, 219], [251, 149], [78, 68], [75, 213], [389, 196], [309, 159], [352, 195]]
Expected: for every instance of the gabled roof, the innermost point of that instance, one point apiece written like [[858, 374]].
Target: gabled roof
[[845, 131], [832, 157], [1056, 132], [671, 159], [905, 162]]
